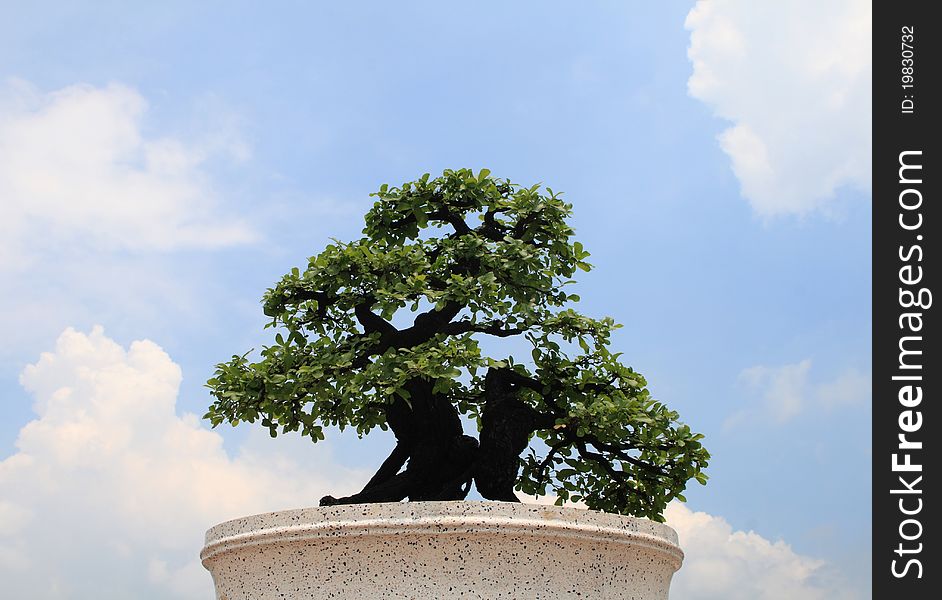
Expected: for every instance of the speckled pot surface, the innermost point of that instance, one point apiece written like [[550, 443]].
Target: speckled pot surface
[[440, 550]]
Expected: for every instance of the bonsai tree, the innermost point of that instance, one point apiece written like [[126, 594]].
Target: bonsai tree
[[384, 332]]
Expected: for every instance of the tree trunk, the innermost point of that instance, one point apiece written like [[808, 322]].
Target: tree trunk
[[506, 426], [429, 436], [442, 461]]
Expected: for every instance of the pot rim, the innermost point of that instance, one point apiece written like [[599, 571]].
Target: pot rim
[[440, 519]]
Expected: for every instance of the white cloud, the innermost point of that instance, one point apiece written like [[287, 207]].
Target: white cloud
[[782, 388], [785, 391], [794, 78], [95, 210], [848, 388], [110, 490], [723, 564], [77, 169]]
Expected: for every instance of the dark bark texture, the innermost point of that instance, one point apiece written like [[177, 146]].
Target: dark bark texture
[[439, 461]]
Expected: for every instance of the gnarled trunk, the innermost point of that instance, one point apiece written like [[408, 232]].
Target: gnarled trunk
[[440, 461], [506, 426], [429, 436]]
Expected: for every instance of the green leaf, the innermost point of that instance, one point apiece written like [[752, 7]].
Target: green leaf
[[506, 274], [420, 217]]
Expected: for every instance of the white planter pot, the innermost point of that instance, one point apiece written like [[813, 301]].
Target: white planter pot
[[439, 550]]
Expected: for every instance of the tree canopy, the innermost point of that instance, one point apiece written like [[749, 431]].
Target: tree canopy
[[384, 331]]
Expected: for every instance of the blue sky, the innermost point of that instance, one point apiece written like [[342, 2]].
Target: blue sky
[[162, 164]]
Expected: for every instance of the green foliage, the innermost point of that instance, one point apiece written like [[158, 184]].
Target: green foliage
[[467, 255]]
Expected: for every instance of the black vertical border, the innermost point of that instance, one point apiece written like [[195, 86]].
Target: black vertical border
[[894, 132]]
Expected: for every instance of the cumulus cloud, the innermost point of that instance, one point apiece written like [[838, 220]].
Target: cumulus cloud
[[96, 209], [76, 168], [110, 490], [724, 564], [794, 78], [784, 392]]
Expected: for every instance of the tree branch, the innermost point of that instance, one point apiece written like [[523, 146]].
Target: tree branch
[[425, 326], [495, 328], [371, 322], [442, 214], [549, 456], [519, 379], [323, 300], [619, 454], [521, 226], [601, 461]]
